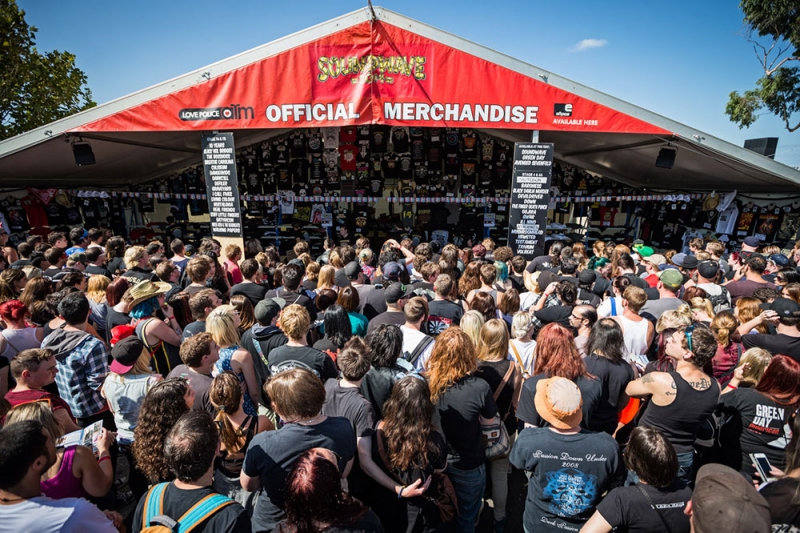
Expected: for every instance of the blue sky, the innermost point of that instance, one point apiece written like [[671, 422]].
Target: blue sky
[[680, 59]]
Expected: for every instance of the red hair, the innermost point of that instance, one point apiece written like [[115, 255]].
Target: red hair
[[781, 381], [115, 290], [556, 354], [13, 310]]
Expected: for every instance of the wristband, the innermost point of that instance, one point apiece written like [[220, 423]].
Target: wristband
[[731, 386], [103, 458], [400, 494]]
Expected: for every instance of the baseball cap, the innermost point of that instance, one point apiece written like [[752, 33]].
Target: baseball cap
[[678, 259], [752, 241], [690, 262], [723, 500], [559, 401], [189, 250], [655, 260], [546, 278], [708, 269], [671, 278], [396, 292], [645, 251], [785, 307], [267, 309], [125, 354], [779, 259], [391, 271], [77, 257], [587, 277], [352, 270]]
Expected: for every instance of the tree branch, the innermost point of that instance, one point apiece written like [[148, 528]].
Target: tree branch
[[771, 71]]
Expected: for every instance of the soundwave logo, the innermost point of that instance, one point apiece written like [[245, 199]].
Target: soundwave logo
[[231, 112], [563, 110]]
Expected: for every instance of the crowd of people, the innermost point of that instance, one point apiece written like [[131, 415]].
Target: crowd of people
[[399, 388]]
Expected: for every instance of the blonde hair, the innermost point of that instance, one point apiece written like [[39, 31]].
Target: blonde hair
[[674, 319], [747, 308], [521, 324], [335, 259], [133, 255], [39, 411], [312, 271], [140, 367], [295, 321], [326, 278], [96, 290], [222, 326], [757, 361], [722, 326], [472, 323], [702, 304], [493, 341]]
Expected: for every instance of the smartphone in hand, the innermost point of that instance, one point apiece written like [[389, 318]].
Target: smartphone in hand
[[763, 466]]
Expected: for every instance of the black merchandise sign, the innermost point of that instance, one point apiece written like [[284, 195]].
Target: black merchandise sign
[[219, 163], [530, 194]]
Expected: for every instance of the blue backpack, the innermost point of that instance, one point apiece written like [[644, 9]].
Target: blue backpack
[[155, 521]]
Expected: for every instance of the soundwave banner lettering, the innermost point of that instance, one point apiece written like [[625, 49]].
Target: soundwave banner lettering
[[530, 194], [369, 74], [219, 165]]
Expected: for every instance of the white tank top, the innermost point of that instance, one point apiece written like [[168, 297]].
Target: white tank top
[[635, 334]]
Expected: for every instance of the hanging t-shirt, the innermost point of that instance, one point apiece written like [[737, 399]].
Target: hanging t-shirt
[[37, 216], [607, 215], [91, 216], [331, 157], [746, 222], [280, 151], [391, 166], [452, 143], [347, 134], [487, 150], [297, 144], [348, 156], [726, 223], [315, 143], [330, 137], [264, 154], [469, 144], [379, 138], [363, 153], [298, 168], [399, 139], [418, 150], [502, 155]]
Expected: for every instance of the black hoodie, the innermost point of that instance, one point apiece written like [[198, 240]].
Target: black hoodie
[[268, 338]]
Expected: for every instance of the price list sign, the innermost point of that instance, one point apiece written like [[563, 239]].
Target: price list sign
[[530, 193], [219, 163]]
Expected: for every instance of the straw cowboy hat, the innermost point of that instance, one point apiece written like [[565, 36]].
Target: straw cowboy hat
[[146, 290]]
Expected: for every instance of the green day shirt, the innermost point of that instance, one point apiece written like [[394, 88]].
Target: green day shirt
[[569, 475]]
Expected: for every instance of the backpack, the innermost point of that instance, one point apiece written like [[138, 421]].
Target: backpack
[[154, 521], [720, 302], [418, 350]]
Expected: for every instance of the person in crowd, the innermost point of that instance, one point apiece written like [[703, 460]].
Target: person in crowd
[[546, 313], [27, 451], [557, 356], [233, 254], [746, 309], [237, 430], [338, 330], [669, 283], [76, 472], [782, 493], [137, 266], [311, 277], [385, 344], [752, 279], [178, 258], [12, 281], [160, 410], [681, 400], [349, 299], [128, 382], [223, 324], [200, 304], [118, 301], [297, 397], [36, 290], [487, 276], [246, 312], [82, 362], [290, 291], [657, 501], [463, 404], [161, 337], [606, 361], [370, 298], [417, 345], [95, 262], [637, 331], [264, 336], [563, 493], [483, 303], [784, 315], [509, 306], [316, 502], [504, 377], [723, 500], [546, 262], [199, 354], [190, 450], [198, 272], [327, 278], [582, 319], [295, 323], [613, 305], [522, 347], [757, 418], [396, 295], [728, 352], [96, 292], [115, 255], [33, 370], [250, 285], [18, 335], [217, 276], [471, 323], [444, 312], [702, 310], [56, 258]]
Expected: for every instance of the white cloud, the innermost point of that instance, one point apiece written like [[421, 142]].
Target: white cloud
[[588, 44]]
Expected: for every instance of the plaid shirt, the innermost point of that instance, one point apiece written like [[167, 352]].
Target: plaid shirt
[[551, 301], [80, 377]]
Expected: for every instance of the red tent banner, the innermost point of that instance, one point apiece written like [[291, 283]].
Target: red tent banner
[[372, 72]]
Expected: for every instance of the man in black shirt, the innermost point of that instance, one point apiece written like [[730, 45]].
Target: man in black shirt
[[265, 335], [784, 313], [190, 449], [24, 250], [296, 353], [292, 276], [370, 298], [443, 312], [250, 286], [396, 296], [95, 262], [200, 305]]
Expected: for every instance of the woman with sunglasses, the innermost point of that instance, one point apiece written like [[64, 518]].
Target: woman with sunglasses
[[682, 400]]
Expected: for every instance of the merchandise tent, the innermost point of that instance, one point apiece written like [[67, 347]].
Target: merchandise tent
[[380, 68]]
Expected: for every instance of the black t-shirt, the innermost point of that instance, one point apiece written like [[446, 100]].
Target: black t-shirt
[[569, 474], [231, 518], [457, 413], [193, 328], [293, 297], [136, 275], [272, 454], [254, 292], [784, 515], [539, 264], [371, 301], [493, 372], [446, 310], [754, 424], [777, 344], [115, 318], [377, 386], [348, 403], [591, 390], [389, 317], [436, 455], [628, 510], [116, 264], [554, 313], [287, 357], [94, 269], [614, 377]]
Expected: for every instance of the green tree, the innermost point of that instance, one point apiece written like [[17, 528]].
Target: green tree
[[35, 88], [777, 46]]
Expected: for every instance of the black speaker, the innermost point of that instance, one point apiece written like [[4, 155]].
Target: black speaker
[[765, 146], [83, 154], [666, 158]]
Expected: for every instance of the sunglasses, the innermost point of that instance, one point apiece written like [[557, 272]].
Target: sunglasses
[[688, 332]]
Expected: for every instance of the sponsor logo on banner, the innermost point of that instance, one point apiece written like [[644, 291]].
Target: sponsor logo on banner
[[371, 68], [562, 110], [231, 112]]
